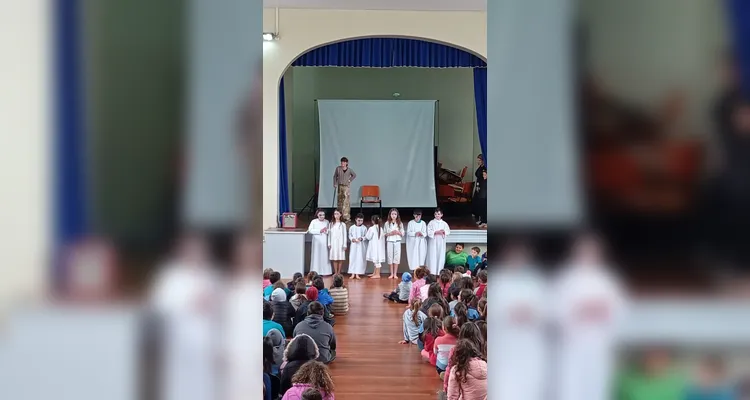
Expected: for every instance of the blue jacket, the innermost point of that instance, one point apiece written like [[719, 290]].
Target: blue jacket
[[325, 298]]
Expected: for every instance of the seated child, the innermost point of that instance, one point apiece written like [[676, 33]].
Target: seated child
[[711, 382], [483, 265], [432, 329], [299, 294], [445, 343], [413, 318], [445, 281], [456, 257], [267, 277], [474, 260], [654, 379], [482, 308], [283, 312], [311, 277], [275, 277], [340, 294], [468, 298], [482, 278], [323, 296], [417, 284], [435, 311], [401, 294], [423, 291], [268, 322], [291, 284]]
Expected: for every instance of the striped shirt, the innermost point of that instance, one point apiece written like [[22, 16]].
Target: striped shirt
[[340, 304]]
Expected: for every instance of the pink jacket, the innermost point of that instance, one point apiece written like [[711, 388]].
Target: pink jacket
[[415, 289], [475, 387], [295, 392]]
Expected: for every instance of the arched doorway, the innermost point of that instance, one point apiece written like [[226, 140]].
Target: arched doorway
[[400, 59]]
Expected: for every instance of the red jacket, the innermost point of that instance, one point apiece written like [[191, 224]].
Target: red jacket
[[429, 345], [482, 287]]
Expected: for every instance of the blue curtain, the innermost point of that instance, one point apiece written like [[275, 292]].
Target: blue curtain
[[69, 161], [738, 13], [388, 52], [480, 99], [283, 175]]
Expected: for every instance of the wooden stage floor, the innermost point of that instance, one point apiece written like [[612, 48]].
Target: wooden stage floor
[[370, 363]]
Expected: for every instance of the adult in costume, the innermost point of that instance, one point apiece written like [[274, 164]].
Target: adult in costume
[[342, 179]]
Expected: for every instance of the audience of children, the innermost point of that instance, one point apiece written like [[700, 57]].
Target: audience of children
[[413, 318], [402, 292], [340, 295], [469, 305], [435, 296]]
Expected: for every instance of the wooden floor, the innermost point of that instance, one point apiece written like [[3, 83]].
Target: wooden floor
[[370, 363]]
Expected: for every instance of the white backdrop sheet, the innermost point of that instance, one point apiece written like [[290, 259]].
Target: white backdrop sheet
[[389, 143]]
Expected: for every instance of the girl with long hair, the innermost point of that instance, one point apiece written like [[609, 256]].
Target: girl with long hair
[[435, 296], [468, 375], [337, 241], [413, 318], [394, 234], [375, 246]]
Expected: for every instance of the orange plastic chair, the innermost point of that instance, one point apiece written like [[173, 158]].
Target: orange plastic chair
[[463, 172], [371, 195]]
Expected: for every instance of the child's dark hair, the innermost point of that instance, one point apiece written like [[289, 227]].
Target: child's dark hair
[[415, 306], [315, 308], [360, 215], [482, 325], [436, 292], [300, 289], [461, 313], [433, 326], [460, 269], [297, 275], [429, 279], [279, 285], [267, 273], [466, 283], [477, 249], [275, 277], [375, 219], [267, 310], [482, 276], [436, 311], [338, 281], [311, 394], [317, 375], [450, 326], [463, 353], [311, 276], [482, 308], [445, 276], [318, 283], [267, 354], [419, 273], [468, 298], [470, 331]]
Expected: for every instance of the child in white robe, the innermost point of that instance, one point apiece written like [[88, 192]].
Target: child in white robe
[[589, 307], [319, 261], [416, 241], [375, 246], [185, 295], [522, 315], [358, 247], [394, 233], [337, 241], [437, 231]]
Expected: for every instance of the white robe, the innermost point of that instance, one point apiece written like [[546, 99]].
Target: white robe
[[357, 261], [522, 345], [319, 261], [375, 245], [187, 299], [589, 306], [436, 245], [337, 241], [239, 352], [416, 246]]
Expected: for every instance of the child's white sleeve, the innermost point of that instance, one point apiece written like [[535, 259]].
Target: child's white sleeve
[[431, 230], [410, 231]]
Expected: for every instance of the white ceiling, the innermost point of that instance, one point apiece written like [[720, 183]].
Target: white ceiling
[[413, 5]]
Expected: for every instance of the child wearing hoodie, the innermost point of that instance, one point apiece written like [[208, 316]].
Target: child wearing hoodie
[[401, 294], [301, 349], [283, 312]]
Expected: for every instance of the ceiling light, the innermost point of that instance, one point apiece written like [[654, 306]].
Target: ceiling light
[[269, 37]]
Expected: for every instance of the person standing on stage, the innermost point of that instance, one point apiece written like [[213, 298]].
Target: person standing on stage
[[342, 179]]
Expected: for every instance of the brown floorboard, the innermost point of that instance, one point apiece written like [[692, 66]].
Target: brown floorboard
[[370, 363]]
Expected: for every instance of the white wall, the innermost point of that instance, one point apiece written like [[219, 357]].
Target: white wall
[[301, 30], [641, 49], [25, 149]]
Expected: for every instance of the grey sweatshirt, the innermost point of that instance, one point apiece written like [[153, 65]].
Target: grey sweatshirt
[[321, 332]]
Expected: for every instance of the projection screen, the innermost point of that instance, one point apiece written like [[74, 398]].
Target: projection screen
[[389, 143]]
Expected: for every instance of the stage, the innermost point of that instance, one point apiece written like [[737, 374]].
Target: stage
[[288, 250]]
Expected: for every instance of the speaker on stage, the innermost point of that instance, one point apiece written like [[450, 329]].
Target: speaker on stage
[[289, 220]]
